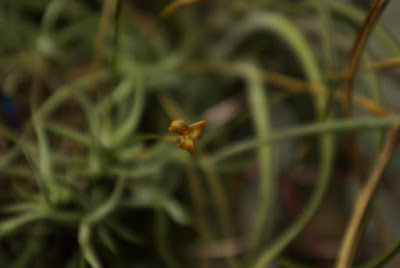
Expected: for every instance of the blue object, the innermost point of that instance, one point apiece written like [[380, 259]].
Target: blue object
[[9, 112]]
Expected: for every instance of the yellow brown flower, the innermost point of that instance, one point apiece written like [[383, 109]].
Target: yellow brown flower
[[187, 133]]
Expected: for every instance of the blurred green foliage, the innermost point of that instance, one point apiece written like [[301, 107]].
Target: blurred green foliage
[[92, 180]]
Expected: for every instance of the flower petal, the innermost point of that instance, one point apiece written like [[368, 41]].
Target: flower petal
[[178, 126], [196, 129], [188, 145]]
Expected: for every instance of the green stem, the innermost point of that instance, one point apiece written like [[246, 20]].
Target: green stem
[[218, 193], [128, 127], [291, 36], [384, 258], [161, 230], [69, 133], [116, 39], [259, 108], [84, 235], [109, 206], [143, 137], [314, 129], [31, 248], [312, 206], [324, 13], [67, 91]]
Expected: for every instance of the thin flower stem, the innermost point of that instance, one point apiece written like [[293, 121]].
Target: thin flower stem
[[197, 195], [357, 222], [143, 137], [213, 181]]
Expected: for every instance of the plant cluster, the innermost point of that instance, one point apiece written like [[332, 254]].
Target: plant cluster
[[90, 176]]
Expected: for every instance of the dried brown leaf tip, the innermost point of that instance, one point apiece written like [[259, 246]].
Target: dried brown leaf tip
[[188, 133]]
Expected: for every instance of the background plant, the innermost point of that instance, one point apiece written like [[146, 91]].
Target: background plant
[[90, 176]]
